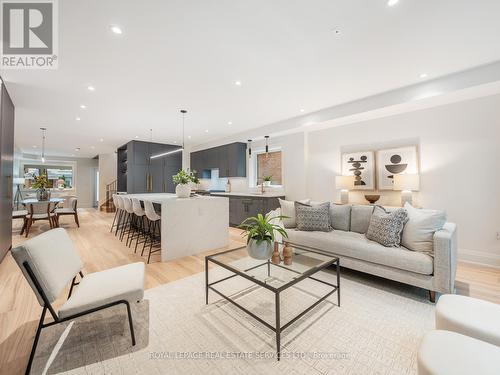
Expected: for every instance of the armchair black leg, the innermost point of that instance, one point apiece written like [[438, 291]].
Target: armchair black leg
[[35, 341], [130, 323]]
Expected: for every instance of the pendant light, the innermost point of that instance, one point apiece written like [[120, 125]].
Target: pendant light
[[183, 114], [43, 144], [267, 145], [249, 148]]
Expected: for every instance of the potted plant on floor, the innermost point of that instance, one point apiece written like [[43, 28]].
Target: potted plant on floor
[[260, 232], [41, 184], [183, 179]]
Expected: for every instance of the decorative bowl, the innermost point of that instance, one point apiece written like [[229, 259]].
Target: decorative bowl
[[372, 198]]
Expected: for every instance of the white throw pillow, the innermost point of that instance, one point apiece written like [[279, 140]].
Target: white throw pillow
[[419, 231], [288, 209]]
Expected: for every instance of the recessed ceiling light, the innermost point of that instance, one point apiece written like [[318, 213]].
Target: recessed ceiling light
[[423, 75], [237, 83], [391, 3], [116, 30], [136, 137], [83, 106], [230, 123], [302, 110], [175, 141], [92, 147], [206, 131], [91, 88], [34, 146], [78, 119], [101, 139], [77, 149], [189, 137]]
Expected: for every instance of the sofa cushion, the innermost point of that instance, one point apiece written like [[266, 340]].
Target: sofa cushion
[[340, 216], [313, 217], [360, 218], [356, 245], [418, 233], [386, 227], [288, 210]]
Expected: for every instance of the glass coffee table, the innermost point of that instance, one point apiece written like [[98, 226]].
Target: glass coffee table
[[306, 263]]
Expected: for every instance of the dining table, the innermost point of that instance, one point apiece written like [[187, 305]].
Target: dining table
[[36, 201]]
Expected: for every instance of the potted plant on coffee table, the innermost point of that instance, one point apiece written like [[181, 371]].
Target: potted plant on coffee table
[[260, 232], [183, 180]]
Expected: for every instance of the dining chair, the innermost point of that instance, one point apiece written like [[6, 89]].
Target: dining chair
[[43, 210], [20, 214], [70, 209]]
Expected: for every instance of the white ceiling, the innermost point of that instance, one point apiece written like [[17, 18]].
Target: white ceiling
[[188, 54]]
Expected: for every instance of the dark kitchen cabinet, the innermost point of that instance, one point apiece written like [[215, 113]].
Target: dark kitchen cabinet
[[242, 207], [6, 169], [137, 173], [229, 159]]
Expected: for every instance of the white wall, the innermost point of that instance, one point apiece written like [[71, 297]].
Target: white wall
[[459, 148], [107, 173]]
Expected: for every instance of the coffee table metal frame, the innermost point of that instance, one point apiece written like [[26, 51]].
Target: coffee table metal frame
[[278, 328]]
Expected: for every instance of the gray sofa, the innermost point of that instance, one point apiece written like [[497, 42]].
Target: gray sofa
[[432, 271]]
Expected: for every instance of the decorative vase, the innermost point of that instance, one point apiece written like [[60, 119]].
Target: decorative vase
[[42, 194], [183, 190], [262, 251], [287, 255]]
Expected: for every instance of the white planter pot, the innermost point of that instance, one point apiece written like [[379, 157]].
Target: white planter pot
[[267, 183], [183, 191], [263, 251]]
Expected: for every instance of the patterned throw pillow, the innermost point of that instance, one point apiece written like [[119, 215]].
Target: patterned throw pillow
[[386, 227], [313, 217]]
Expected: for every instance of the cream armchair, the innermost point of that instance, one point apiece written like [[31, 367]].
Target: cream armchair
[[50, 262]]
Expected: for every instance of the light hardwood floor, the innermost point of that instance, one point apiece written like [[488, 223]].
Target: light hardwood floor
[[19, 310]]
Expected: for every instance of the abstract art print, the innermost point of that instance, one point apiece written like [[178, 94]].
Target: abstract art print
[[395, 161], [361, 165]]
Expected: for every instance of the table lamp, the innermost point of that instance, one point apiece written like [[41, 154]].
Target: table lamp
[[344, 184], [406, 183]]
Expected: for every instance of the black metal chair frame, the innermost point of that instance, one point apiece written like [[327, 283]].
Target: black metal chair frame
[[57, 320]]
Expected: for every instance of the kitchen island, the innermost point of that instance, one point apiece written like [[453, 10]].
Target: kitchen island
[[190, 225]]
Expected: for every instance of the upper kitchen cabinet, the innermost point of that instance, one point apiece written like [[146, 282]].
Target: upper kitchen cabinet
[[229, 159]]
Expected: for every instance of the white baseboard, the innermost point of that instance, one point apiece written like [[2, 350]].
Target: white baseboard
[[479, 257]]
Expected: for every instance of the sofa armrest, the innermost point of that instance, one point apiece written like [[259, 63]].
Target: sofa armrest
[[445, 258]]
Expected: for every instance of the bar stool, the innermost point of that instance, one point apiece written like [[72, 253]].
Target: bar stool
[[127, 220], [115, 203], [154, 227], [120, 212], [137, 223]]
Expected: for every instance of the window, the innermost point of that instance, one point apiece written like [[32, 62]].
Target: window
[[58, 175], [269, 165]]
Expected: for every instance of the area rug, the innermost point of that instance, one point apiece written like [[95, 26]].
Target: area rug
[[376, 330]]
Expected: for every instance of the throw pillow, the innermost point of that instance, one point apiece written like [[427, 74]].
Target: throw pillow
[[340, 216], [288, 210], [313, 217], [386, 227], [418, 234]]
